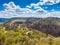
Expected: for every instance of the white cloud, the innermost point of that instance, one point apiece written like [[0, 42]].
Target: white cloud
[[36, 7], [12, 10], [48, 2], [53, 14], [44, 2], [52, 1]]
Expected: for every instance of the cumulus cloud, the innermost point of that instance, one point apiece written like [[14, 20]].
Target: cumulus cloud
[[42, 2], [36, 7], [53, 14], [12, 10], [48, 2]]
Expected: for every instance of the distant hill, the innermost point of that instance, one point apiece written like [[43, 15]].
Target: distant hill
[[50, 25], [4, 19], [9, 19]]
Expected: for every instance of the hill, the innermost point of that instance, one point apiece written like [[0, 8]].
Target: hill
[[22, 31], [50, 25]]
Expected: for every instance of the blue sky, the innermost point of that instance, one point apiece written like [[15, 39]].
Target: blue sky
[[36, 8], [23, 4]]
